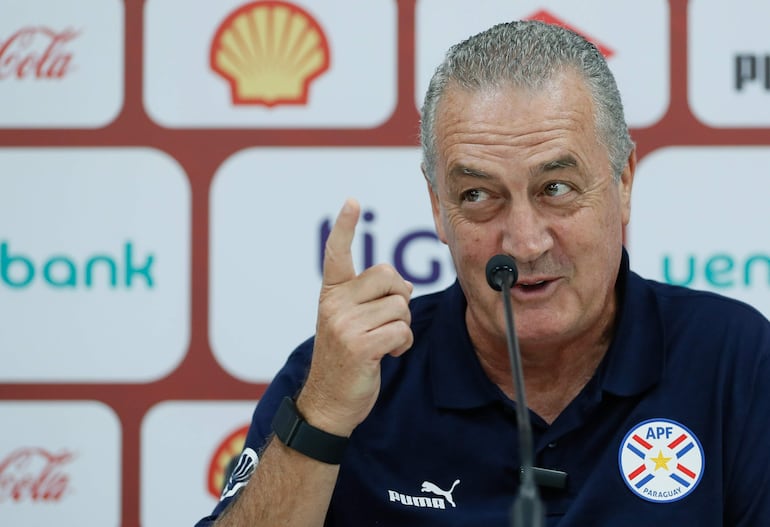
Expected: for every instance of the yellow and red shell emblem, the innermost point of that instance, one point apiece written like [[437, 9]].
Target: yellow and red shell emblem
[[229, 448], [269, 52]]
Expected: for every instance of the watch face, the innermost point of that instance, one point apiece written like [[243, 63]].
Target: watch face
[[286, 421]]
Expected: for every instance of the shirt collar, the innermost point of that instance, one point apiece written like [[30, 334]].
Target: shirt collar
[[635, 359]]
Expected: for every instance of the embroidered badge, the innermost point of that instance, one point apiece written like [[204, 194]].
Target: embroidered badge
[[661, 460]]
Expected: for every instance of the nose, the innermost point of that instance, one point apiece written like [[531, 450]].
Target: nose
[[526, 233]]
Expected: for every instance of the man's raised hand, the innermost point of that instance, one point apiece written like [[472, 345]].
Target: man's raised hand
[[361, 318]]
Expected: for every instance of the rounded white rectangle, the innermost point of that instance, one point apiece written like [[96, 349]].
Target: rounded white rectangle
[[186, 447], [637, 53], [61, 63], [695, 217], [729, 62], [94, 264], [271, 210], [60, 464], [211, 65]]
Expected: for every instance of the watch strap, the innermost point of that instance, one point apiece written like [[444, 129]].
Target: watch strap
[[296, 433]]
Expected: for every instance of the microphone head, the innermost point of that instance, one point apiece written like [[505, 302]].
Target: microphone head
[[501, 271]]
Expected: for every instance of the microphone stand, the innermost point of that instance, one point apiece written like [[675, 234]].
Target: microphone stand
[[527, 510]]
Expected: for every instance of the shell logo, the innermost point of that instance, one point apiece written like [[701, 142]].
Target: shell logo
[[269, 52], [228, 449]]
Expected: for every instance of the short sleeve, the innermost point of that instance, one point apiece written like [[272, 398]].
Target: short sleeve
[[288, 381]]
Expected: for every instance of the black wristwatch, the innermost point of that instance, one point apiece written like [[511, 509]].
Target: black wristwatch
[[296, 433]]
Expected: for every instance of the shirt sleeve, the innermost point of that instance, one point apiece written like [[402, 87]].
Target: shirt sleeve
[[288, 381]]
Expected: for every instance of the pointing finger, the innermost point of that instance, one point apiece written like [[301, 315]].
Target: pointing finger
[[338, 261]]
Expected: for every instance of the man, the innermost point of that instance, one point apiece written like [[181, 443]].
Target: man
[[650, 397]]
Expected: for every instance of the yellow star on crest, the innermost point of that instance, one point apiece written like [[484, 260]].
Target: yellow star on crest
[[660, 461]]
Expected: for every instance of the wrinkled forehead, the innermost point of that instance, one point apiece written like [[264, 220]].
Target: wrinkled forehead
[[508, 120], [561, 78], [505, 104]]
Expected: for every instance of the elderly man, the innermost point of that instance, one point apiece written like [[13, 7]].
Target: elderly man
[[402, 412]]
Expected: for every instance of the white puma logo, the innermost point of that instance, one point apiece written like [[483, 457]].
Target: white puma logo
[[427, 486]]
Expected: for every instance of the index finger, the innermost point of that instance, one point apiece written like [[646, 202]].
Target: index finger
[[338, 261]]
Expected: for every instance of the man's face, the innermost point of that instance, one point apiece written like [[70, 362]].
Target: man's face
[[523, 173]]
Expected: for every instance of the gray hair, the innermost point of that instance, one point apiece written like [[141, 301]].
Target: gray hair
[[527, 54]]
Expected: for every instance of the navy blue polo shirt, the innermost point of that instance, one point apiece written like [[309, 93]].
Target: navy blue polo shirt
[[672, 427]]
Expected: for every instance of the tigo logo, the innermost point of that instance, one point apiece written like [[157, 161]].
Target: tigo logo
[[427, 275], [59, 271], [395, 227], [269, 52]]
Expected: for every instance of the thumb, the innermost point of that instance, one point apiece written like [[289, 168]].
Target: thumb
[[338, 261]]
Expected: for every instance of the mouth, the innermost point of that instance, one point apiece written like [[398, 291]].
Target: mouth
[[532, 287]]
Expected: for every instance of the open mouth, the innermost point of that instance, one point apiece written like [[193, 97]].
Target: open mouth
[[531, 287]]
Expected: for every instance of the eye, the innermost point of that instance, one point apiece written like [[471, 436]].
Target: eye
[[556, 189], [474, 195]]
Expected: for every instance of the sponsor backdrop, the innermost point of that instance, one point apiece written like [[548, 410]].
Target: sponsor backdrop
[[169, 171]]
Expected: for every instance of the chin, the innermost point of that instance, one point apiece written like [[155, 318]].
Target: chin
[[543, 327]]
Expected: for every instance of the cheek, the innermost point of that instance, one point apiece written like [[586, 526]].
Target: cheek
[[471, 248], [587, 241], [600, 247], [463, 234]]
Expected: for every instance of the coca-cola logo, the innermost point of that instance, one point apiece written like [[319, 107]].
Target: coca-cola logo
[[36, 53], [34, 474]]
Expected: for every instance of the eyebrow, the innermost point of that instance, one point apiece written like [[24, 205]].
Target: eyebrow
[[471, 172], [563, 162], [566, 161], [459, 171]]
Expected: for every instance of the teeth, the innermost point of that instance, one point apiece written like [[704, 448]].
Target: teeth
[[533, 283]]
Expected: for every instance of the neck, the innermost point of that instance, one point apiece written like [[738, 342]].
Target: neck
[[553, 374]]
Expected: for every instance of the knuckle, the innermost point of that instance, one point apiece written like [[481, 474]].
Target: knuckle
[[385, 272], [404, 332]]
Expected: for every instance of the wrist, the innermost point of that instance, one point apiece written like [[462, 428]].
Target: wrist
[[316, 411], [294, 431]]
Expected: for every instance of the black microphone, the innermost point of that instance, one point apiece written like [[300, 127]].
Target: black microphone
[[502, 271], [527, 510]]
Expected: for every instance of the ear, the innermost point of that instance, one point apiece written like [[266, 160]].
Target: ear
[[435, 206], [626, 183]]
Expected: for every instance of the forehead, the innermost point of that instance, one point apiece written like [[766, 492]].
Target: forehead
[[507, 122], [566, 89]]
